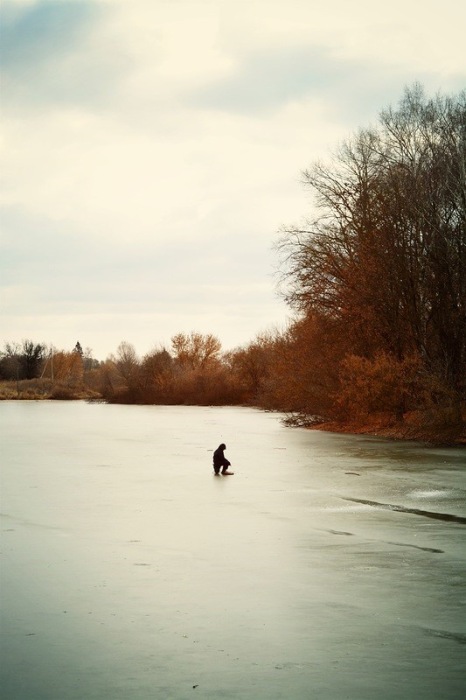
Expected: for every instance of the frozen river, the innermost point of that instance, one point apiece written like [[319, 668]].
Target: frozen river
[[329, 567]]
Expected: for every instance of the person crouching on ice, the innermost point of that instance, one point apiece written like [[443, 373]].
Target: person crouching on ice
[[220, 461]]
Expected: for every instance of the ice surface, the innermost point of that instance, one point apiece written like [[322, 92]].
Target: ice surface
[[130, 571]]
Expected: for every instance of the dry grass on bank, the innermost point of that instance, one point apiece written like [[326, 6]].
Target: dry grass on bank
[[42, 389]]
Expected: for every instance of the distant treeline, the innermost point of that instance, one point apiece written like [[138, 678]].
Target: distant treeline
[[377, 281]]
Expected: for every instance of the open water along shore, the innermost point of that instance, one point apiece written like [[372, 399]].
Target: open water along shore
[[329, 566]]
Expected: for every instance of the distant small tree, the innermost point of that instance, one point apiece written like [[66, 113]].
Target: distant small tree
[[31, 359], [195, 350], [253, 365], [67, 368], [10, 365], [89, 362], [156, 375], [127, 362]]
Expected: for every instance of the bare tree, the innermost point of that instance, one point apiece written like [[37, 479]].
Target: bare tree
[[127, 361], [386, 255], [196, 350]]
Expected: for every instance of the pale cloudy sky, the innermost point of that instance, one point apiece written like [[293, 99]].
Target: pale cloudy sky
[[151, 149]]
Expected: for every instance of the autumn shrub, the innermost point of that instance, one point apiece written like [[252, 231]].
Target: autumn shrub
[[379, 385], [62, 392], [25, 389], [206, 388], [8, 391], [250, 368], [303, 369]]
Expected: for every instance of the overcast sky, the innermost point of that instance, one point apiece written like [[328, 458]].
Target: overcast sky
[[151, 150]]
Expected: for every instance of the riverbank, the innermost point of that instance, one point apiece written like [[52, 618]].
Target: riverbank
[[435, 435]]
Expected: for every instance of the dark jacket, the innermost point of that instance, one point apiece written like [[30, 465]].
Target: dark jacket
[[219, 458]]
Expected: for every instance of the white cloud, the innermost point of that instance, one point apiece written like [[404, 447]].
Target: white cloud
[[152, 149]]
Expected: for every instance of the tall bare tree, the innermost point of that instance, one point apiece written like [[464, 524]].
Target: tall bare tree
[[385, 257]]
